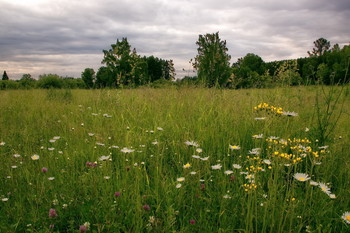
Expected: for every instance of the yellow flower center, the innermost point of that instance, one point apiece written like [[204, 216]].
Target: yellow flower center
[[301, 178], [347, 218]]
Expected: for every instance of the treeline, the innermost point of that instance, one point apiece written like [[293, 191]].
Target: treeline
[[325, 65], [123, 67]]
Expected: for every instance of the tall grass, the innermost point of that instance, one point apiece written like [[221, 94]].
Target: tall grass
[[139, 191]]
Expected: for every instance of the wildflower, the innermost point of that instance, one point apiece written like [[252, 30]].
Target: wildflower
[[301, 177], [155, 142], [91, 164], [64, 206], [307, 129], [226, 196], [255, 151], [52, 140], [236, 166], [293, 114], [258, 136], [192, 143], [204, 158], [126, 150], [187, 165], [273, 138], [266, 161], [91, 134], [14, 166], [313, 183], [55, 202], [82, 229], [51, 178], [180, 179], [193, 173], [117, 194], [235, 147], [178, 185], [35, 157], [324, 188], [106, 177], [199, 150], [323, 147], [192, 221], [100, 144], [52, 213], [160, 129], [50, 148], [196, 156], [228, 172], [216, 167], [16, 155], [2, 143], [259, 118], [332, 196], [146, 207], [104, 158], [4, 199], [56, 137], [346, 217]]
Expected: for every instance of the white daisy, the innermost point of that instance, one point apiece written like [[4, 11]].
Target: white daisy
[[301, 177]]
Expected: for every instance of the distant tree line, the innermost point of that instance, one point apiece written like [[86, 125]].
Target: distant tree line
[[123, 67]]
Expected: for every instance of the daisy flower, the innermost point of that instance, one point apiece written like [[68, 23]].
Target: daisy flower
[[301, 177], [204, 158], [346, 217], [192, 143], [293, 114], [199, 150], [126, 150], [178, 185], [187, 165], [236, 166], [228, 172], [196, 156], [324, 188], [257, 136], [235, 147], [180, 179], [216, 167], [103, 158], [35, 157]]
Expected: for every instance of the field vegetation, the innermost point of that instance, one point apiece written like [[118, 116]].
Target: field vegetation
[[175, 159]]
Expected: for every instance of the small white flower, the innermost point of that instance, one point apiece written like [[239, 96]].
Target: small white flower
[[4, 199], [56, 137], [332, 196], [235, 147], [196, 156], [91, 134], [216, 167], [268, 162], [324, 188], [51, 178], [160, 129], [126, 150], [346, 217], [180, 179], [301, 177], [236, 166], [204, 158], [293, 114], [313, 183], [52, 140], [2, 143], [178, 185], [192, 143], [193, 173], [35, 157], [106, 177], [16, 155], [228, 172], [104, 158], [14, 166], [226, 196], [307, 129], [199, 150], [260, 118], [258, 136], [51, 148]]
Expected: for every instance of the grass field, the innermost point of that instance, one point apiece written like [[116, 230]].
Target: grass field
[[175, 160]]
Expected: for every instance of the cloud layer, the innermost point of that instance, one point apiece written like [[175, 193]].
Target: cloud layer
[[65, 37]]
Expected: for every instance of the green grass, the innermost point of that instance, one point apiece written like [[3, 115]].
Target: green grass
[[215, 119]]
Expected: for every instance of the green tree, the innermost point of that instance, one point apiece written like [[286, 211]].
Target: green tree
[[320, 47], [4, 76], [88, 76], [118, 61], [212, 62]]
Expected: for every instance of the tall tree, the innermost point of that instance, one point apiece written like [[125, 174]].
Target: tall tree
[[88, 76], [212, 62], [320, 47], [118, 61], [4, 76]]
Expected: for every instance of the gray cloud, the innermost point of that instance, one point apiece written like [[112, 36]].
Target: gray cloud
[[65, 37]]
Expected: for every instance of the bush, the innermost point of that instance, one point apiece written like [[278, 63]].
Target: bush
[[50, 81]]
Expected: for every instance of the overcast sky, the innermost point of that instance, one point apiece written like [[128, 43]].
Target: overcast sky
[[66, 36]]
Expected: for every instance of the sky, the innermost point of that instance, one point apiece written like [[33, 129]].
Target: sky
[[66, 36]]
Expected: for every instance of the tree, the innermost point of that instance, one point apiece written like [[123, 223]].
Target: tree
[[212, 62], [4, 76], [320, 47], [88, 76], [118, 61]]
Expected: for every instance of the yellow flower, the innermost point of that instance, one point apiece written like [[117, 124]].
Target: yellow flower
[[346, 217], [180, 179], [187, 165]]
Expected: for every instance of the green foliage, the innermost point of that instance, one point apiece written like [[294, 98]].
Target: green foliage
[[212, 62], [321, 46], [88, 76], [89, 124], [5, 76], [50, 81]]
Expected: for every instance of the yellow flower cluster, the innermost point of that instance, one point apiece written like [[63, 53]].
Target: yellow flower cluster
[[269, 108], [249, 187]]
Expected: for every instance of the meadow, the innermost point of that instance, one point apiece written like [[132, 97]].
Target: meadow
[[175, 160]]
